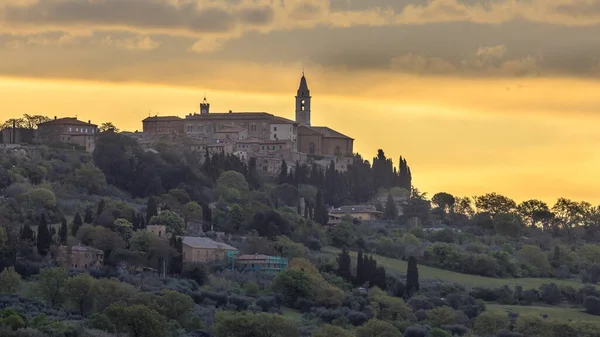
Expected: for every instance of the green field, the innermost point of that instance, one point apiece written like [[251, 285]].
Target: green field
[[465, 279], [557, 313]]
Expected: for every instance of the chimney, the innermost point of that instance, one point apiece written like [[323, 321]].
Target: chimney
[[54, 117], [89, 121], [230, 111]]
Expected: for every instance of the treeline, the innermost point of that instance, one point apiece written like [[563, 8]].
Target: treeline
[[143, 173], [358, 184]]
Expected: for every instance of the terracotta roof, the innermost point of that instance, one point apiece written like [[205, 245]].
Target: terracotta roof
[[66, 121], [327, 132], [206, 243], [162, 118], [254, 257]]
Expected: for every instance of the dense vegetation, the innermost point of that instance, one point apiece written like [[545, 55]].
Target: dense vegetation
[[358, 279]]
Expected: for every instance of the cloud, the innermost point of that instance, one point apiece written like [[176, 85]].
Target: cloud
[[235, 18], [132, 43], [413, 63], [207, 45]]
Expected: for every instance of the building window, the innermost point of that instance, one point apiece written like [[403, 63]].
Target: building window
[[337, 151], [274, 128], [70, 129], [86, 130]]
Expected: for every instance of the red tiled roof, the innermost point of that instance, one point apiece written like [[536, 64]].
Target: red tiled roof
[[66, 121], [281, 120]]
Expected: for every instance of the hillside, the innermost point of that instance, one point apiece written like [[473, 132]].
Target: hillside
[[161, 240]]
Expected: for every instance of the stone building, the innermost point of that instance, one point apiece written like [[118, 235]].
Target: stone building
[[203, 249], [81, 257], [360, 212], [159, 230], [68, 130], [163, 125]]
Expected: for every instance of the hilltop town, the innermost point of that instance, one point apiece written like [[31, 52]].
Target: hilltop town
[[268, 138]]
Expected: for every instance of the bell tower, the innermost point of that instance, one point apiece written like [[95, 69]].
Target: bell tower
[[204, 106], [303, 103]]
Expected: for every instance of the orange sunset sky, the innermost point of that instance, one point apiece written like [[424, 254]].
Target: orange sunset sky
[[479, 96]]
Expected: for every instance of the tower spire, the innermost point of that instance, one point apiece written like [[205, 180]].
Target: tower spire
[[303, 102]]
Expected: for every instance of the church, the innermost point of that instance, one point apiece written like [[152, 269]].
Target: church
[[317, 140], [261, 129]]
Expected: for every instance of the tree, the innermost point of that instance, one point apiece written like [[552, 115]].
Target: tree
[[63, 232], [391, 211], [360, 277], [10, 280], [151, 208], [321, 215], [494, 203], [283, 173], [79, 293], [569, 214], [27, 234], [463, 206], [328, 330], [445, 201], [50, 285], [124, 228], [412, 276], [88, 216], [77, 223], [107, 126], [378, 328], [344, 265], [171, 221], [533, 211], [137, 320], [191, 210], [44, 238], [508, 224], [294, 284], [247, 324]]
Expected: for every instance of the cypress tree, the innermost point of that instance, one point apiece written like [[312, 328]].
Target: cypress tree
[[44, 238], [101, 206], [135, 224], [63, 232], [151, 209], [77, 222], [321, 215], [283, 173], [412, 276], [360, 279], [344, 265], [27, 233], [142, 222], [88, 216], [380, 278], [391, 211]]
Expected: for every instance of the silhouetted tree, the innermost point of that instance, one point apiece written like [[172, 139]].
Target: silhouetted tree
[[27, 233], [283, 173], [88, 216], [63, 233], [391, 211], [321, 215], [151, 208], [77, 222], [412, 276], [44, 238], [344, 265], [360, 278]]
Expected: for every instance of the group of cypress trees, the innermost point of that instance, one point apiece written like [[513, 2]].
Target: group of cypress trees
[[368, 274]]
